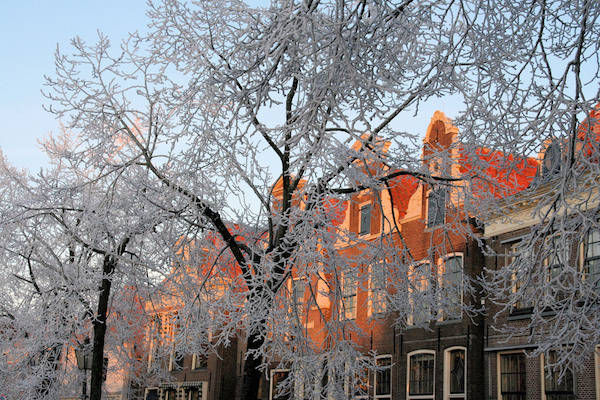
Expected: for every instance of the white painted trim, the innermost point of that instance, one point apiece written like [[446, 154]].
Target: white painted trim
[[408, 356], [441, 261], [410, 318], [387, 396], [498, 372], [271, 373], [149, 389], [447, 394]]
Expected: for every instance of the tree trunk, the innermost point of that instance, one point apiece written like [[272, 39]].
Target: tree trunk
[[251, 377], [99, 325]]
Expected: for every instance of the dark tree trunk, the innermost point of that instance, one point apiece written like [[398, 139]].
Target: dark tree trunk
[[251, 377], [99, 324]]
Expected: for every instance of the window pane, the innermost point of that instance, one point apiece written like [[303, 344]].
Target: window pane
[[436, 207], [421, 374], [557, 389], [451, 293], [298, 290], [277, 378], [384, 377], [349, 286], [512, 376], [378, 289], [457, 371], [419, 280], [591, 265], [365, 219]]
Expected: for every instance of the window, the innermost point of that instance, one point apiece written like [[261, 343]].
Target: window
[[349, 289], [199, 361], [419, 280], [591, 259], [365, 220], [193, 393], [436, 207], [383, 377], [151, 394], [176, 361], [557, 252], [518, 263], [421, 366], [512, 376], [555, 387], [277, 391], [455, 373], [378, 292], [451, 287], [361, 385], [298, 290], [170, 394]]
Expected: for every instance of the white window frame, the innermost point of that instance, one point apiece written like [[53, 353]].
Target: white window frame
[[382, 292], [351, 389], [301, 308], [172, 359], [446, 199], [447, 394], [546, 261], [499, 371], [411, 315], [440, 281], [383, 396], [203, 393], [271, 373], [583, 255], [419, 396], [344, 313], [509, 258], [151, 388], [195, 361], [543, 379]]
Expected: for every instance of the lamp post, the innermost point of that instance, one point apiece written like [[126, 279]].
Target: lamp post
[[84, 363]]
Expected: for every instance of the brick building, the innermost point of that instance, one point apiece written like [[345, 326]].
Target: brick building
[[445, 350], [547, 266]]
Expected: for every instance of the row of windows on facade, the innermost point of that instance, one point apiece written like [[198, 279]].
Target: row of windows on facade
[[448, 279], [558, 254], [420, 378], [378, 385], [436, 211], [368, 385], [191, 392]]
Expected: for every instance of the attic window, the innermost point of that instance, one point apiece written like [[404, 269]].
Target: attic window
[[365, 220], [552, 160], [436, 207]]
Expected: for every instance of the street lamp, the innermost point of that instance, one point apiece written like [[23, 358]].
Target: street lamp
[[84, 363]]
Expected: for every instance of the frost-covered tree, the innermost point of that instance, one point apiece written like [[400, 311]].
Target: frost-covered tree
[[72, 237], [248, 118]]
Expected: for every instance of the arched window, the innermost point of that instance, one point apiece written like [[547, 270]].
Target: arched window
[[455, 373], [420, 375]]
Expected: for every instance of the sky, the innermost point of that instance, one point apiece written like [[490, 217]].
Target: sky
[[30, 32]]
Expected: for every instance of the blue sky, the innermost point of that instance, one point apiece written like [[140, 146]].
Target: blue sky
[[31, 30]]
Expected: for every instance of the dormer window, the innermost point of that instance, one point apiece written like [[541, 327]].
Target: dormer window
[[436, 207], [365, 219], [552, 160]]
